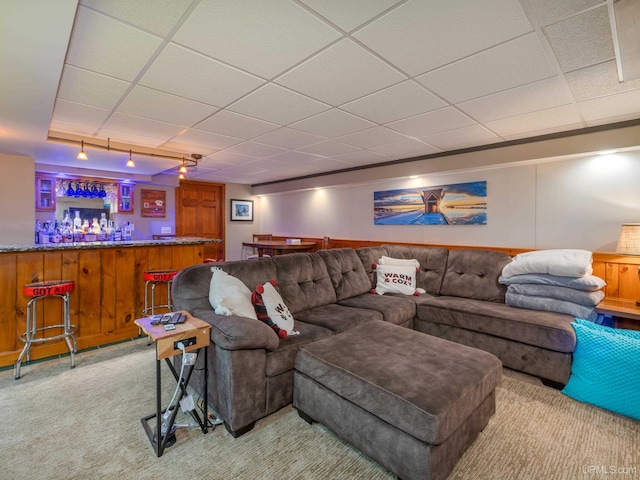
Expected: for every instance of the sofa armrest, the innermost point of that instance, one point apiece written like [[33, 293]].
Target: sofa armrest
[[238, 333]]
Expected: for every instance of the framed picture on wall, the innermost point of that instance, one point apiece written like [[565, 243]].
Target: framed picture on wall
[[241, 210], [154, 203]]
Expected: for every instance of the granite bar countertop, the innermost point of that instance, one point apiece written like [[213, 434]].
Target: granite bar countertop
[[89, 245]]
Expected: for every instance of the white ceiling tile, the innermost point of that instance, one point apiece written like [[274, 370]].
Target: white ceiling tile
[[71, 112], [333, 123], [341, 73], [328, 148], [83, 86], [422, 35], [226, 157], [372, 137], [597, 81], [264, 38], [406, 148], [288, 138], [293, 157], [157, 17], [75, 128], [189, 148], [582, 40], [120, 122], [236, 125], [206, 139], [552, 119], [540, 95], [349, 15], [407, 98], [461, 138], [131, 137], [360, 157], [432, 122], [611, 106], [156, 105], [192, 75], [100, 44], [550, 11], [506, 66], [326, 165], [274, 103], [254, 149]]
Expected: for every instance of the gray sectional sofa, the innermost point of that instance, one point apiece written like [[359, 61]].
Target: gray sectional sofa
[[251, 369]]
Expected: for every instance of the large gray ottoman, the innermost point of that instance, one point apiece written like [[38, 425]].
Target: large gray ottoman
[[412, 402]]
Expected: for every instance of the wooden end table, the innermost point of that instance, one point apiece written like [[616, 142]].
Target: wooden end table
[[195, 336], [625, 312]]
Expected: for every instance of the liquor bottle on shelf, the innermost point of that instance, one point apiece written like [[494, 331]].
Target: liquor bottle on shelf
[[77, 221]]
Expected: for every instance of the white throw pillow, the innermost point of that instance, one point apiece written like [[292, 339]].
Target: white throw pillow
[[399, 262], [229, 296], [271, 309], [396, 279]]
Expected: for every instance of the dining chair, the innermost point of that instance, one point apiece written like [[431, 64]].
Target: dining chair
[[259, 237]]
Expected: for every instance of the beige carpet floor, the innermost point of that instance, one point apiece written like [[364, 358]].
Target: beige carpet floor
[[84, 423]]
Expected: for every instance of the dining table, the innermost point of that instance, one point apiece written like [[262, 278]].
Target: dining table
[[279, 247]]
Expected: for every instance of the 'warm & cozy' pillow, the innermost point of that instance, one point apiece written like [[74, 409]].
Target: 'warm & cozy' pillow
[[395, 279]]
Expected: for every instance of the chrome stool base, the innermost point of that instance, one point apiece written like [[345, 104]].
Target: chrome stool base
[[39, 291]]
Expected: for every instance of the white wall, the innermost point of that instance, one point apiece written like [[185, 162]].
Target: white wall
[[238, 232], [576, 203], [17, 200]]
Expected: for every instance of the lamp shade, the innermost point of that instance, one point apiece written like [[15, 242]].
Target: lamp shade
[[629, 240]]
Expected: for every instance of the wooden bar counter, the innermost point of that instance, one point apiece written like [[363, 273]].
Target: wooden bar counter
[[108, 294]]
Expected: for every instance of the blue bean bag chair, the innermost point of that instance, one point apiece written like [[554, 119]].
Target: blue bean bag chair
[[606, 368]]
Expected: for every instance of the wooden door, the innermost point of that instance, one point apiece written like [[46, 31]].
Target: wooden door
[[200, 213]]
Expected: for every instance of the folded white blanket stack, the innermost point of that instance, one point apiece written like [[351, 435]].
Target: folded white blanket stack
[[554, 280]]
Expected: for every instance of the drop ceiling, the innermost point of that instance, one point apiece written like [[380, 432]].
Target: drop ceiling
[[267, 90]]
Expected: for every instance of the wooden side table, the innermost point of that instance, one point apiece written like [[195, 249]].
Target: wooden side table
[[195, 336], [625, 312]]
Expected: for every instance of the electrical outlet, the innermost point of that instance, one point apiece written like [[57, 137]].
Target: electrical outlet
[[165, 230]]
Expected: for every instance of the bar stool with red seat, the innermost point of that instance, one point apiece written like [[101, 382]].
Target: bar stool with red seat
[[154, 278], [39, 291]]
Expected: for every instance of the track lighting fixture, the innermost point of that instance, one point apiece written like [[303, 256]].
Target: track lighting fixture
[[186, 162], [82, 155], [130, 163]]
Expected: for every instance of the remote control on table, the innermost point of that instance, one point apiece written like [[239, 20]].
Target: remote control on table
[[178, 317], [165, 318], [169, 326], [156, 319]]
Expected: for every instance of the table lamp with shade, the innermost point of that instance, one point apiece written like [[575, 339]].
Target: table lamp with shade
[[629, 242]]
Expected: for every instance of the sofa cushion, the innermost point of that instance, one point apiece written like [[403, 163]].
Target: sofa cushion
[[283, 358], [433, 263], [347, 273], [541, 329], [474, 274], [399, 310], [368, 256], [338, 318], [237, 333], [303, 280]]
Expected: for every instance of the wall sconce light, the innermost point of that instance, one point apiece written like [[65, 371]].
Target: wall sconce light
[[629, 242], [130, 163], [82, 155]]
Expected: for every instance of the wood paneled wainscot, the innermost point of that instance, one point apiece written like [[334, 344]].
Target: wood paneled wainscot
[[108, 294]]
